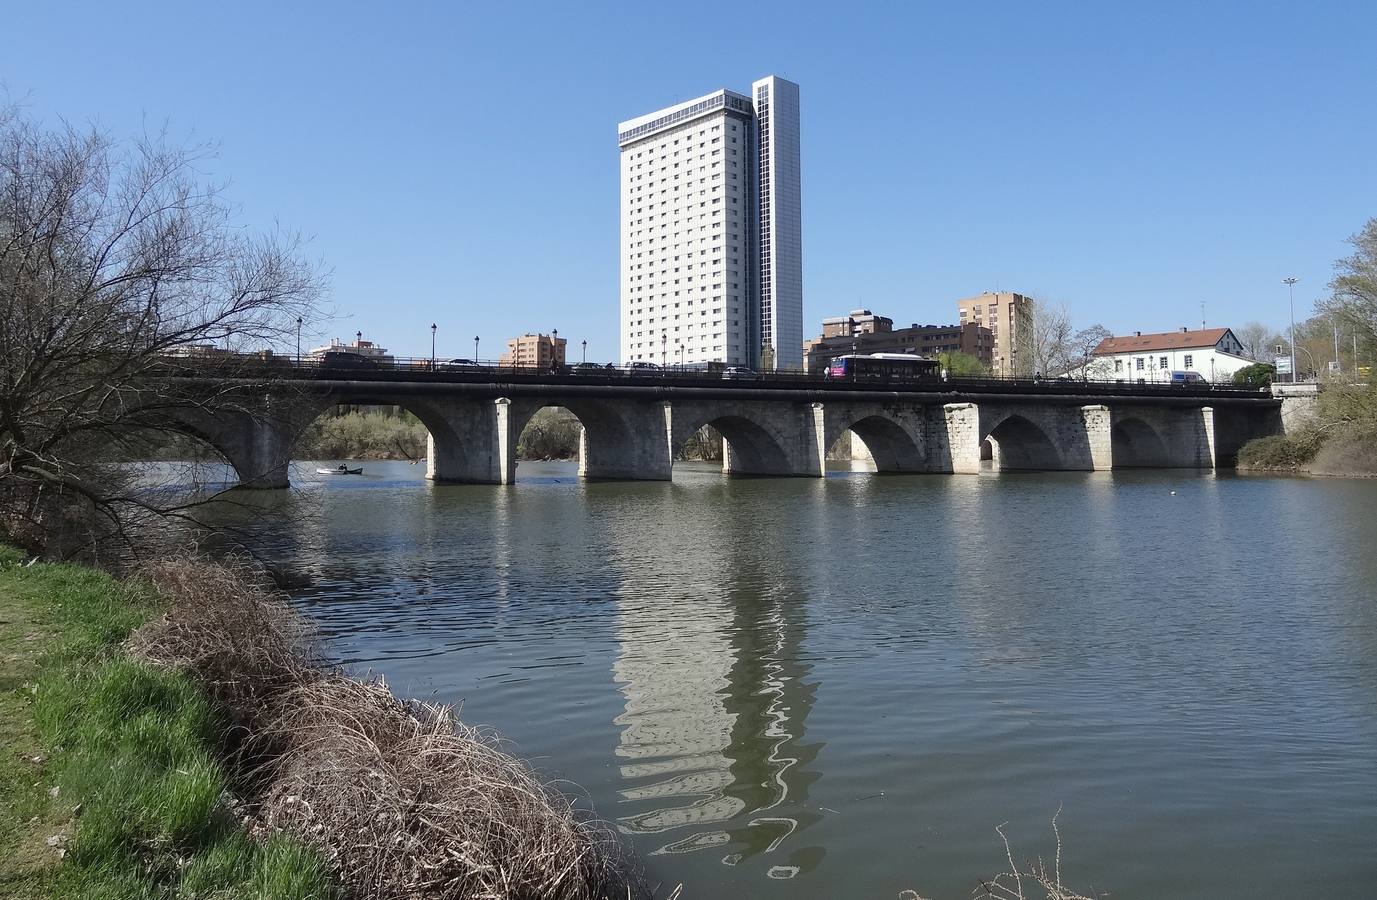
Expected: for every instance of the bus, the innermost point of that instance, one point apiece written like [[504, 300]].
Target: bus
[[884, 367]]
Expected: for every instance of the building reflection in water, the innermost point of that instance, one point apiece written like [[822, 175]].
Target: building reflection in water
[[710, 665]]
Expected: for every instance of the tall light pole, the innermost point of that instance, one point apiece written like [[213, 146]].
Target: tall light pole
[[432, 344], [358, 339], [475, 349], [664, 348], [1291, 291], [554, 348], [298, 340], [585, 350]]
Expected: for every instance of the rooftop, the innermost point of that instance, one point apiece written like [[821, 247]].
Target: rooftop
[[1166, 340]]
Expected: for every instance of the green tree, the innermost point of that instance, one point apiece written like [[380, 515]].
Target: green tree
[[958, 363], [1256, 375]]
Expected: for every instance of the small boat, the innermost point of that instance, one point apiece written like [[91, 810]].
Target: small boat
[[340, 471]]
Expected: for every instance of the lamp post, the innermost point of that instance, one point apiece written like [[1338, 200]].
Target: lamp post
[[664, 348], [358, 339], [432, 344], [298, 340], [475, 350], [554, 347], [681, 357], [1291, 291], [585, 351]]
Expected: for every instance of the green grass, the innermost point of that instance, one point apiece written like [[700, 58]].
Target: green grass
[[141, 796]]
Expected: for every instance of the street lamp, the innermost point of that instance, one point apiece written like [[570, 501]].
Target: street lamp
[[664, 348], [432, 344], [585, 350], [1291, 291], [298, 340], [554, 347], [358, 339], [475, 350], [681, 357]]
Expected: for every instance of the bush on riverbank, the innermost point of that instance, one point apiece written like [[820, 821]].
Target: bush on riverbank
[[373, 434], [552, 433], [1342, 440]]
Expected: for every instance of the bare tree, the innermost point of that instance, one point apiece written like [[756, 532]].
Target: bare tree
[[1082, 347], [1050, 346], [113, 258], [1259, 341]]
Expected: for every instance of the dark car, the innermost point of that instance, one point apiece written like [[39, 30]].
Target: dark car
[[586, 368], [334, 359]]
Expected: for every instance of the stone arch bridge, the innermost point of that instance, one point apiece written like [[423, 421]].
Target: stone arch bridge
[[633, 426]]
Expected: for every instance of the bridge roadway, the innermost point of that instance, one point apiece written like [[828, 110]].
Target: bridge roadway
[[775, 425]]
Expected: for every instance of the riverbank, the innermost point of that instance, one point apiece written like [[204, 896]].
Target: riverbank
[[112, 784], [1340, 441], [176, 736]]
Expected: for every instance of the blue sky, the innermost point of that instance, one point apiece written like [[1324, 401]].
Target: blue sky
[[458, 164]]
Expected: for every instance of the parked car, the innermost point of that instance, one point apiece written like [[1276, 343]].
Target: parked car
[[641, 367], [586, 368], [738, 372], [459, 363]]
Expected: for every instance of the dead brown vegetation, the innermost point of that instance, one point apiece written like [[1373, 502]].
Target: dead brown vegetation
[[403, 799]]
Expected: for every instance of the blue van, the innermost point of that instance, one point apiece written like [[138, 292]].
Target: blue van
[[1187, 378]]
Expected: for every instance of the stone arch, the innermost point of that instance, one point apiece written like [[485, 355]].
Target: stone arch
[[256, 444], [455, 448], [1136, 444], [1018, 443], [621, 439], [760, 438], [892, 446]]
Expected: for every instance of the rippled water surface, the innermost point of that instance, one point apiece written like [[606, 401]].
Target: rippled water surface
[[839, 687]]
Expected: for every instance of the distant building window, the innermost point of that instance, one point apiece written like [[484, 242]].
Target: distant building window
[[1118, 365], [1161, 362], [1189, 361], [1138, 364]]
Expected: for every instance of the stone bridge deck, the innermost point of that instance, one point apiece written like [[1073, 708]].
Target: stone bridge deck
[[633, 426]]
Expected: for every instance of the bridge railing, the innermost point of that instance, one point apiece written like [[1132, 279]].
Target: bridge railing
[[460, 371]]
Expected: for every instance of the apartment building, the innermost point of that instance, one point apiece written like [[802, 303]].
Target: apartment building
[[710, 239], [541, 351], [1009, 317]]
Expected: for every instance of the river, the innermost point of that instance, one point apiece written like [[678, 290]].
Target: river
[[839, 687]]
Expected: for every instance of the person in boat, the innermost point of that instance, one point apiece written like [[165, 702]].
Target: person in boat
[[343, 467]]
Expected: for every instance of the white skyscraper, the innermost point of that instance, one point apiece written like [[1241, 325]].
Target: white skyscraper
[[711, 245]]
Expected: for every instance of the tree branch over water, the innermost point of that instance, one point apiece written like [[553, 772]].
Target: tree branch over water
[[115, 260]]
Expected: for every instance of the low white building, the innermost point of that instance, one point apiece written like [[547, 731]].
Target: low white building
[[1212, 353]]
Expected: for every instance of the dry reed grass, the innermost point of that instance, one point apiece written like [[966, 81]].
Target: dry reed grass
[[1028, 882], [403, 800], [229, 631], [408, 802]]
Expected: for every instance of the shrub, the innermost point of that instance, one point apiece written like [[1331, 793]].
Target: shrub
[[1280, 452], [1256, 375]]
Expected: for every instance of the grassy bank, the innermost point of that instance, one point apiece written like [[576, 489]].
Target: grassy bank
[[176, 737], [112, 783]]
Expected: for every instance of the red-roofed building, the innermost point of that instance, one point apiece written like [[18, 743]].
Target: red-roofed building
[[1212, 353]]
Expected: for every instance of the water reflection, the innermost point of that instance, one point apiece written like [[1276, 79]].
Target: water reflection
[[714, 716]]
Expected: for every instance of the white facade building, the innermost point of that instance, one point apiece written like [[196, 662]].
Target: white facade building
[[711, 244], [1212, 353]]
